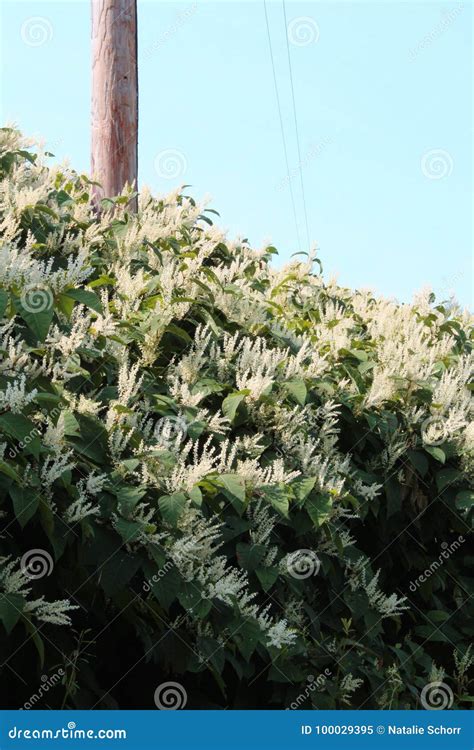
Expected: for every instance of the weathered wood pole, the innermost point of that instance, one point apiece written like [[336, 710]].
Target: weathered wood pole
[[114, 126]]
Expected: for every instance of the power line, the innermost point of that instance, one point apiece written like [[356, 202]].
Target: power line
[[296, 125], [281, 125]]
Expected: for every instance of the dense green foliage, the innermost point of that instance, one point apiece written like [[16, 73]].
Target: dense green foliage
[[243, 479]]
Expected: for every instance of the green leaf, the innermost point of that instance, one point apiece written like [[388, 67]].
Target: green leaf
[[128, 497], [359, 354], [212, 651], [437, 615], [179, 332], [165, 584], [71, 425], [191, 598], [17, 426], [87, 298], [65, 304], [446, 477], [234, 490], [419, 461], [25, 503], [47, 399], [4, 298], [297, 389], [42, 208], [195, 429], [9, 471], [196, 496], [46, 518], [118, 571], [267, 577], [23, 430], [207, 386], [302, 487], [130, 464], [128, 530], [277, 496], [250, 556], [11, 607], [247, 637], [172, 507], [93, 439], [231, 403], [40, 321], [436, 452], [318, 508], [103, 280], [464, 500], [235, 526]]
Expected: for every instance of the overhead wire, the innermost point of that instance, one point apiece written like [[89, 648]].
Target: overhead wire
[[295, 118], [285, 150]]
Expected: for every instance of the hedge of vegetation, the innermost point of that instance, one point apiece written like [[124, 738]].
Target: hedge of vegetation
[[239, 478]]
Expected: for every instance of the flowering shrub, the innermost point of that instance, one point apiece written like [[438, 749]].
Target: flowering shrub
[[242, 479]]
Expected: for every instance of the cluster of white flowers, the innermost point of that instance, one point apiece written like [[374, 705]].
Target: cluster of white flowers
[[283, 359], [368, 492], [386, 606], [19, 268], [15, 397], [54, 467], [194, 554], [348, 685], [15, 580], [85, 505], [463, 661]]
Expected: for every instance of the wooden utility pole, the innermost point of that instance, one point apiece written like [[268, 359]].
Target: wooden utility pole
[[114, 132]]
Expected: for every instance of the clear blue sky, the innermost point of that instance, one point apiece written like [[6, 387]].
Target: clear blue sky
[[378, 87]]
